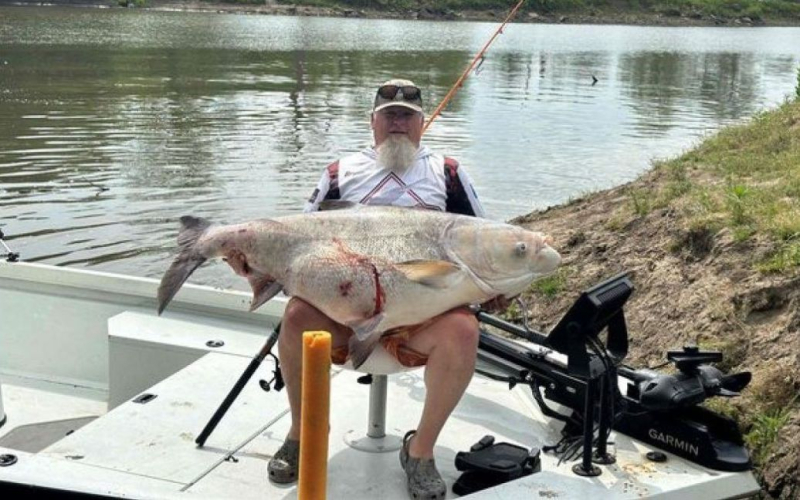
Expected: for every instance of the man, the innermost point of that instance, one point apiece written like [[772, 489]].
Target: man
[[396, 171]]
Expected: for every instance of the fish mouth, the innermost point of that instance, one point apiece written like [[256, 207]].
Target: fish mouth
[[548, 260]]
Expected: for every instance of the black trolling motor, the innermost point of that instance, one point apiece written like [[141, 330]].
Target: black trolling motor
[[574, 367]]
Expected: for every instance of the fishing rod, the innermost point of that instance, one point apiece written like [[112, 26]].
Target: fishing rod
[[276, 383], [478, 57], [9, 255]]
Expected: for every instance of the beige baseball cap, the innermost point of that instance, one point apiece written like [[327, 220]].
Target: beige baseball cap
[[398, 92]]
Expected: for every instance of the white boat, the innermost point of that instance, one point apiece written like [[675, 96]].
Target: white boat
[[100, 397]]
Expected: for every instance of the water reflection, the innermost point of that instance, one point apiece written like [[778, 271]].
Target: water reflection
[[115, 123], [667, 87]]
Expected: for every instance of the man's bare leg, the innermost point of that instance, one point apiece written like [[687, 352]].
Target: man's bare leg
[[299, 317], [451, 344]]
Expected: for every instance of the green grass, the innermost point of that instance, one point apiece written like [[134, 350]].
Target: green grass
[[745, 179], [643, 200], [787, 257], [771, 398], [640, 201], [551, 286], [736, 198], [797, 89], [766, 408], [679, 183], [764, 432]]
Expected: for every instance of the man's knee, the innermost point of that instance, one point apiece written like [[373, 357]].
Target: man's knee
[[300, 316], [460, 330], [296, 316], [296, 309]]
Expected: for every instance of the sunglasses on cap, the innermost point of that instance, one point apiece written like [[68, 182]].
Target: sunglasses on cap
[[410, 92]]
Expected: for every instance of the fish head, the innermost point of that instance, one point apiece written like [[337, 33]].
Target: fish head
[[504, 258]]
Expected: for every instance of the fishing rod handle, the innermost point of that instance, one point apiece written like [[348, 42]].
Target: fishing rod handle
[[271, 340], [237, 388]]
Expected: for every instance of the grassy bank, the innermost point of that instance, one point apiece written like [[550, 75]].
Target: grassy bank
[[711, 240], [750, 187]]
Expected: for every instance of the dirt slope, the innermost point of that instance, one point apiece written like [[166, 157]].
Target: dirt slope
[[691, 287]]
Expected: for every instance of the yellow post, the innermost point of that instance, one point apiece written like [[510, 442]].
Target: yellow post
[[315, 412]]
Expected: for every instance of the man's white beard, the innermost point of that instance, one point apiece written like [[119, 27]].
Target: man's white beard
[[397, 153]]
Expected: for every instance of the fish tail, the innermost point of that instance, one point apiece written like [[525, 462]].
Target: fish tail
[[189, 258]]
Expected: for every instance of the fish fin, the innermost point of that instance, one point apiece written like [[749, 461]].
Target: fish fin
[[433, 273], [188, 259], [263, 291], [327, 205], [366, 327], [360, 350]]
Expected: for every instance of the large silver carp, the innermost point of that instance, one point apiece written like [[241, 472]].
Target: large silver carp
[[370, 268]]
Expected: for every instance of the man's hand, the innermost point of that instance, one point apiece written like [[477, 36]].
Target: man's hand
[[497, 304]]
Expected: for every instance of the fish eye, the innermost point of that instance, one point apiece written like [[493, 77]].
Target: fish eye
[[521, 247]]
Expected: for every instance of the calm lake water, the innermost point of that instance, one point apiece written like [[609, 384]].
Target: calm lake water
[[113, 123]]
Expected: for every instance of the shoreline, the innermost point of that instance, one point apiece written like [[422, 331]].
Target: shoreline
[[591, 16]]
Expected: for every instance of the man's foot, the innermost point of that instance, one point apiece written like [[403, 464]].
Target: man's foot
[[423, 480], [283, 465]]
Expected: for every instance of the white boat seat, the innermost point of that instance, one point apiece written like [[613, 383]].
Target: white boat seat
[[379, 365], [380, 362]]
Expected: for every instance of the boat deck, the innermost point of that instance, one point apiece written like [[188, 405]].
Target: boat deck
[[147, 450], [77, 348]]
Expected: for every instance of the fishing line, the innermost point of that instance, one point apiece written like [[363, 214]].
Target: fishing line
[[478, 57]]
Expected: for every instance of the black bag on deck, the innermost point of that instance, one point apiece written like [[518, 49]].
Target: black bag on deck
[[488, 464]]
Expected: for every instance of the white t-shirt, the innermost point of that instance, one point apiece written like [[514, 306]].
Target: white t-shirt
[[432, 182]]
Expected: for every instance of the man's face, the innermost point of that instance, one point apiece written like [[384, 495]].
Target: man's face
[[397, 120]]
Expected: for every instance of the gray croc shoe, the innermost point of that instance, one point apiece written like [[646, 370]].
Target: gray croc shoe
[[423, 480], [283, 465]]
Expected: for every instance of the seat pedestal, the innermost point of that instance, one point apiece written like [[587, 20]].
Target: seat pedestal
[[376, 439]]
